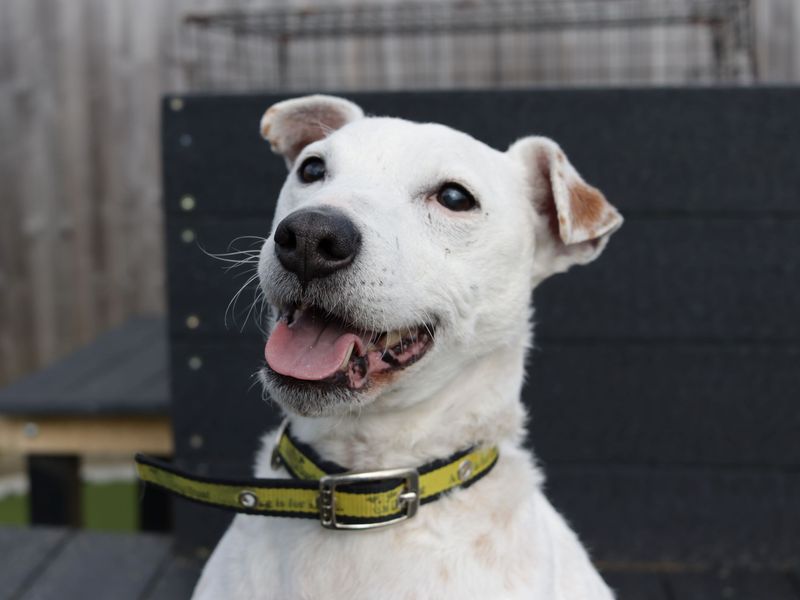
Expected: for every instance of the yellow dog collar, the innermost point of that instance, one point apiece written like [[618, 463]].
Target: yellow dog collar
[[323, 490]]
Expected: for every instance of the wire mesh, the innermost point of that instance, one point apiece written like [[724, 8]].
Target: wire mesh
[[498, 43]]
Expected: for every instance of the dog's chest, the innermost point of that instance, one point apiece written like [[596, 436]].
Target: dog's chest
[[497, 539], [425, 559]]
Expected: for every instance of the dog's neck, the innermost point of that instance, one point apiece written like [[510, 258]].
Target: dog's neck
[[479, 405]]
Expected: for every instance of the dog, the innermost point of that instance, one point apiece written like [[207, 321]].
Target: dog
[[399, 273]]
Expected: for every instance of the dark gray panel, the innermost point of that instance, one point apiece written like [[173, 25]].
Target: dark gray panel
[[737, 584], [648, 149], [665, 403], [101, 565], [688, 516], [220, 401], [677, 278], [177, 580], [682, 516], [636, 586], [694, 302], [695, 279], [603, 402], [200, 527], [26, 553], [205, 286], [107, 376]]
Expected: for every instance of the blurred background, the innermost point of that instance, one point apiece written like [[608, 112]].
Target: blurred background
[[81, 214], [81, 236]]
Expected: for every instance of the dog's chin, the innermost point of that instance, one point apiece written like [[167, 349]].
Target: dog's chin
[[312, 398]]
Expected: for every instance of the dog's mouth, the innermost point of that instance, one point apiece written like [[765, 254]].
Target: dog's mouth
[[309, 344]]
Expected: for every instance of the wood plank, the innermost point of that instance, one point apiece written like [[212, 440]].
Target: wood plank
[[177, 580], [98, 435], [740, 585], [697, 150], [26, 553], [684, 277], [102, 565], [147, 62], [11, 357], [74, 125], [70, 178], [17, 296], [39, 197]]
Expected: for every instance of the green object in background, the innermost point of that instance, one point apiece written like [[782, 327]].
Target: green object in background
[[14, 510], [106, 507], [111, 506]]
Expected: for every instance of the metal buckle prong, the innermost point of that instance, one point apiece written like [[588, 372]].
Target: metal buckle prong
[[408, 499]]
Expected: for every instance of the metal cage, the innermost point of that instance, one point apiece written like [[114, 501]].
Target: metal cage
[[462, 44]]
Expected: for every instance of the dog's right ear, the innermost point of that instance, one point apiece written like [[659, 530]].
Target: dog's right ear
[[575, 219], [291, 125]]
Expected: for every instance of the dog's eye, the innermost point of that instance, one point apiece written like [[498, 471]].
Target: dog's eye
[[312, 169], [454, 197]]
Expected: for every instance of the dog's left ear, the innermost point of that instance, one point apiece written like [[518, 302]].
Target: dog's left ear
[[291, 125], [575, 221]]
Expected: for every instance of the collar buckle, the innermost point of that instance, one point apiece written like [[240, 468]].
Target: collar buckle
[[408, 499]]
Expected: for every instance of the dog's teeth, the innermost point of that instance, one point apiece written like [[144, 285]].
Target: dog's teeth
[[343, 366], [392, 338], [296, 314]]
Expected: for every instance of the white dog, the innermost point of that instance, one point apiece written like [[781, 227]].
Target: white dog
[[400, 268]]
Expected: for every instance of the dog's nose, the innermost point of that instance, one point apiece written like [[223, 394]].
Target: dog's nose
[[314, 242]]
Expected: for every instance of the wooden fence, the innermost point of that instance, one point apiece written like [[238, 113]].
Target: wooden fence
[[81, 240]]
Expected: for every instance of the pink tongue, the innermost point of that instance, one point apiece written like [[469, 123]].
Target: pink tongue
[[311, 348]]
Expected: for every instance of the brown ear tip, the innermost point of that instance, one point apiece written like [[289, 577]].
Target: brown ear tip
[[268, 120]]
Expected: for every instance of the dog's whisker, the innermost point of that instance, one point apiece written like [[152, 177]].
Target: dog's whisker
[[260, 301], [224, 255], [258, 295], [241, 273], [234, 253], [231, 308], [256, 377], [257, 240]]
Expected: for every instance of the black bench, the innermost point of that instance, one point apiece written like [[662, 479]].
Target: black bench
[[663, 390]]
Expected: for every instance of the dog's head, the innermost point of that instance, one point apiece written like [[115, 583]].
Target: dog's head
[[403, 253]]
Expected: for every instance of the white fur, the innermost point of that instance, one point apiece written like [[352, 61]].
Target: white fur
[[473, 272]]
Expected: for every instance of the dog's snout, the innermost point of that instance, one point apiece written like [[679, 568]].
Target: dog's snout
[[314, 242]]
